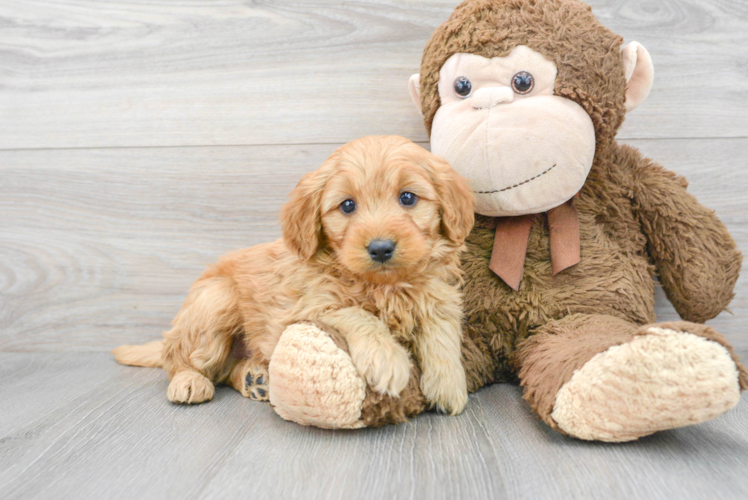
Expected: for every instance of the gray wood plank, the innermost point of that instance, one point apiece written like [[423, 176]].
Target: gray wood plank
[[90, 73], [33, 386], [120, 438], [99, 247], [110, 433], [103, 244], [698, 462]]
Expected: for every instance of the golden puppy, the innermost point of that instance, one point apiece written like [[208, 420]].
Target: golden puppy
[[370, 247]]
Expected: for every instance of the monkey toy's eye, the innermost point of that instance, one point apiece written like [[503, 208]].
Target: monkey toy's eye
[[523, 82], [463, 87], [348, 206], [408, 199]]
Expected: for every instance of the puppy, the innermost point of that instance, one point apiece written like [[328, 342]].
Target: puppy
[[371, 244]]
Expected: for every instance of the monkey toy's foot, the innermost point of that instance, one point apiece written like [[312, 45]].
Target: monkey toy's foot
[[664, 377], [602, 378], [313, 380]]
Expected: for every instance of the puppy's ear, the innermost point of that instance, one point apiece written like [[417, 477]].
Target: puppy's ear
[[301, 218], [457, 200]]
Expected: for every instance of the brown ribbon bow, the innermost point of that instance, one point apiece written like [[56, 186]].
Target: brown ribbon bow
[[512, 233]]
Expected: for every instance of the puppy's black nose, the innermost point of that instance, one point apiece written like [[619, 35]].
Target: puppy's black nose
[[381, 250]]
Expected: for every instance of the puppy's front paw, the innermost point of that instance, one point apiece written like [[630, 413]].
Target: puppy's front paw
[[190, 387], [445, 388], [384, 365]]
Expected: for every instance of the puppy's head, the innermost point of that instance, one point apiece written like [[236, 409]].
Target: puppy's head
[[383, 206]]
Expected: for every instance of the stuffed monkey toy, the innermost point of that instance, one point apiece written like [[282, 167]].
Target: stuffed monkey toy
[[524, 98]]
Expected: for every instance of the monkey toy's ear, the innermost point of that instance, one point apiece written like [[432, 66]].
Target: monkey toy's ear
[[637, 65], [414, 85]]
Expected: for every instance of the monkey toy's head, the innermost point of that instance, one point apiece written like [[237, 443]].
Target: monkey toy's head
[[521, 96]]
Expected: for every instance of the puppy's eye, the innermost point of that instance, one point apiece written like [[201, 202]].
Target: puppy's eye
[[463, 87], [348, 206], [408, 199], [523, 82]]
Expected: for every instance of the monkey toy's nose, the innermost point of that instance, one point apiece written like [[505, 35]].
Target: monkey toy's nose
[[489, 97], [381, 250]]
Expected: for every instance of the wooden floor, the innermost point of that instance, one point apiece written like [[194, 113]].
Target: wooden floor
[[140, 140]]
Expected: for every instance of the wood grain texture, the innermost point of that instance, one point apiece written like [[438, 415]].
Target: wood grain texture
[[92, 73], [96, 246], [99, 430], [99, 247]]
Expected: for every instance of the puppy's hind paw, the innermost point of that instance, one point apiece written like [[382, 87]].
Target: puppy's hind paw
[[190, 387], [256, 383]]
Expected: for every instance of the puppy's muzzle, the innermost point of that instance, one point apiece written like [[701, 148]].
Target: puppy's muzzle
[[381, 250]]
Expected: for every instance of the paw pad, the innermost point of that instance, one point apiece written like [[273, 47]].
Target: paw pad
[[259, 394], [255, 383]]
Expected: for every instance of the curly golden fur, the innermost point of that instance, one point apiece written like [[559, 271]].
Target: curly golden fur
[[322, 271]]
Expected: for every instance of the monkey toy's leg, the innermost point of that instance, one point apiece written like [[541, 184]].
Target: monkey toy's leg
[[312, 381], [601, 378]]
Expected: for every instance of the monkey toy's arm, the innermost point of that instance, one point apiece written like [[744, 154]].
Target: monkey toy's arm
[[696, 258]]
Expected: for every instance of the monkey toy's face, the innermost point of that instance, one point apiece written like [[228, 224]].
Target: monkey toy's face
[[523, 149], [500, 123]]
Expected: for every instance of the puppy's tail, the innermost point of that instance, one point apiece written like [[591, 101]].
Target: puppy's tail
[[148, 354]]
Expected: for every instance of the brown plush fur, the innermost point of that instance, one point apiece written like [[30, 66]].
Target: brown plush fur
[[548, 359], [381, 409], [321, 270], [637, 221]]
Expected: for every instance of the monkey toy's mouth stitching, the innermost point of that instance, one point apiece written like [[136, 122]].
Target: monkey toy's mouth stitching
[[518, 184]]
